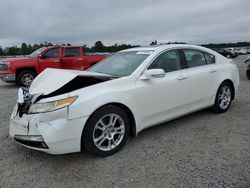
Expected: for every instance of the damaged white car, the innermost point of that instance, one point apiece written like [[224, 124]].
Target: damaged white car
[[66, 111]]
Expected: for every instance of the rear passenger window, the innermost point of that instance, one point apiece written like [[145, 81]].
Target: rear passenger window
[[209, 58], [168, 61], [72, 52], [194, 58]]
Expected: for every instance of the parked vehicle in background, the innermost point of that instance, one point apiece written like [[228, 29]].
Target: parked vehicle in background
[[230, 49], [134, 89], [241, 51], [248, 67], [24, 70], [226, 53]]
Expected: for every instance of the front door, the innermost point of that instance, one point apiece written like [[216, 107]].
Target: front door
[[50, 59]]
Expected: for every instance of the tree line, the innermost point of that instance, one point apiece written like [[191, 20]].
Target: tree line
[[26, 49]]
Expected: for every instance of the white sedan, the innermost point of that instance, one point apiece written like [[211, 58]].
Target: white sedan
[[96, 110]]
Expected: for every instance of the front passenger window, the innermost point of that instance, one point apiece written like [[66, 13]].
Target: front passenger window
[[168, 61], [72, 52], [53, 53]]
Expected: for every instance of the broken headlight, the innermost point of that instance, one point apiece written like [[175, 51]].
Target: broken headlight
[[51, 106]]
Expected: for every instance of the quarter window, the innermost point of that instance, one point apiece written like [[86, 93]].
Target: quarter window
[[168, 61], [209, 58], [72, 52], [194, 58], [53, 53]]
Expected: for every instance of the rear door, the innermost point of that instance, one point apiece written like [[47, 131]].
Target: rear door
[[202, 72], [162, 98], [50, 59], [72, 58]]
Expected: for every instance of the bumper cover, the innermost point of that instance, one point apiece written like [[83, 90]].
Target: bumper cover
[[52, 129], [9, 78]]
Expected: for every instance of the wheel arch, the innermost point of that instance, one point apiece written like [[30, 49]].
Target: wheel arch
[[133, 129], [33, 69]]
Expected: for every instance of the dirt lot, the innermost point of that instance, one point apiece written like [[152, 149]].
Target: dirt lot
[[199, 150]]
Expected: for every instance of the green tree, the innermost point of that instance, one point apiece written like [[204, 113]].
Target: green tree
[[24, 49], [1, 51], [98, 47]]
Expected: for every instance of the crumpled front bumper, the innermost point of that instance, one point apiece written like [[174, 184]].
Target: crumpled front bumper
[[58, 133]]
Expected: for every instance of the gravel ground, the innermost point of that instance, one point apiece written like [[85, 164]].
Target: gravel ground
[[199, 150]]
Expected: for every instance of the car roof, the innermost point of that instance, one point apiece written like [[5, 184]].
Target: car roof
[[158, 47]]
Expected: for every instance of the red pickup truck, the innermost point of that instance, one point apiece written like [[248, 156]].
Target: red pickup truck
[[24, 70]]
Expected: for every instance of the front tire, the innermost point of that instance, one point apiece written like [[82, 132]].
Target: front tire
[[106, 131], [25, 78], [223, 98]]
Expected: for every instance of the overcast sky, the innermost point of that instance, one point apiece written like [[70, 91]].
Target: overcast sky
[[123, 21]]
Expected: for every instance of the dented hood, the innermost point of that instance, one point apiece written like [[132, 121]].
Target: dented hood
[[51, 80]]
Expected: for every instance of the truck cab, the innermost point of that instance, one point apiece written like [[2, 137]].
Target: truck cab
[[24, 70]]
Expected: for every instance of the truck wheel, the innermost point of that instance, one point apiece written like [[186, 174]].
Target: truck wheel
[[25, 78]]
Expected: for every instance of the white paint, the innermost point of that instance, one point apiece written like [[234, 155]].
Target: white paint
[[152, 101]]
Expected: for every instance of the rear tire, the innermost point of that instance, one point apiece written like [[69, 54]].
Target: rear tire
[[223, 98], [106, 131], [25, 78]]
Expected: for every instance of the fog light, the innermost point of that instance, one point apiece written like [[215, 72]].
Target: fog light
[[35, 141], [35, 138]]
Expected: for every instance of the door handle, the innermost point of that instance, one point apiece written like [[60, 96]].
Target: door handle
[[212, 70], [80, 59], [56, 61], [182, 77]]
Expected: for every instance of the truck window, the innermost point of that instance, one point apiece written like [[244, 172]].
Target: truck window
[[72, 52], [53, 53]]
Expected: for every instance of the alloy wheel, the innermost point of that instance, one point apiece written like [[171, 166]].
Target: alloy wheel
[[27, 79], [108, 132], [225, 97]]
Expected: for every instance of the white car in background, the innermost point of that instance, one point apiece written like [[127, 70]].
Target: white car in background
[[241, 51], [66, 111]]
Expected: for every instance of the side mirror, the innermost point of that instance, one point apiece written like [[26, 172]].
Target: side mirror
[[41, 56], [153, 73]]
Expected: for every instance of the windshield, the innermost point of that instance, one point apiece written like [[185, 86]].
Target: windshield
[[121, 64], [37, 52]]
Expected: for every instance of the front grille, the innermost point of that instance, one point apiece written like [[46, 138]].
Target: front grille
[[25, 100], [23, 107]]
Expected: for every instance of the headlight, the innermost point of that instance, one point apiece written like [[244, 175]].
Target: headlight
[[51, 106], [5, 66]]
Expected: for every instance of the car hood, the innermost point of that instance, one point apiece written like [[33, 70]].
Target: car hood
[[52, 82], [17, 60]]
